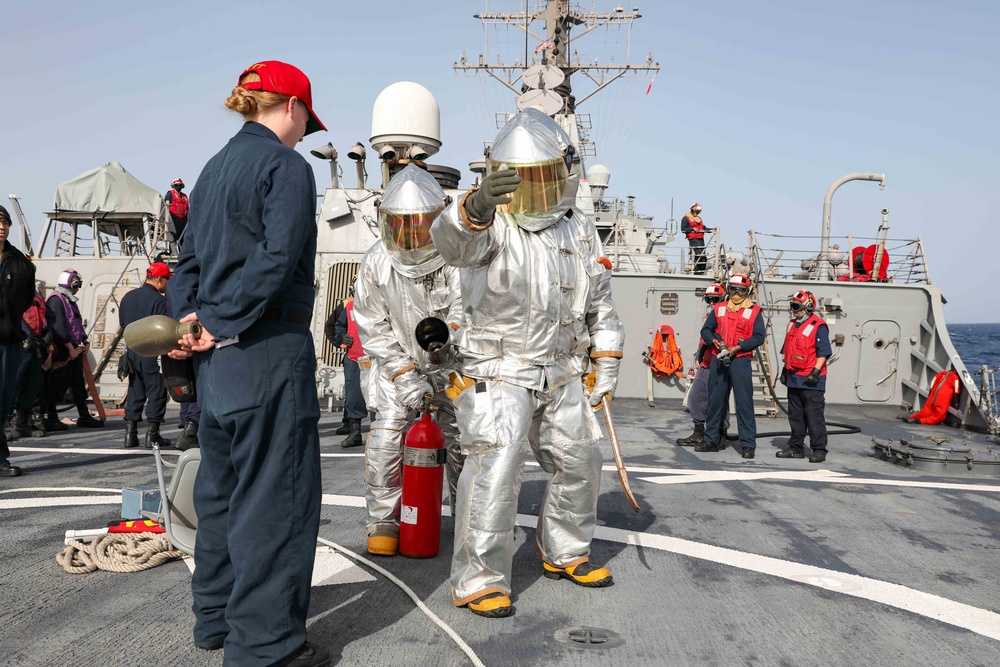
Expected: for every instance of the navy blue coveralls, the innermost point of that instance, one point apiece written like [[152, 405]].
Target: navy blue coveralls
[[17, 289], [146, 381], [354, 399], [807, 405], [247, 270], [736, 377]]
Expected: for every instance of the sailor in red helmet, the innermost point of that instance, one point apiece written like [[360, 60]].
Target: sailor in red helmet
[[736, 329], [806, 349], [694, 229], [698, 395]]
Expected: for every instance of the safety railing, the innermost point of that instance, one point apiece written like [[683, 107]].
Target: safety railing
[[850, 258]]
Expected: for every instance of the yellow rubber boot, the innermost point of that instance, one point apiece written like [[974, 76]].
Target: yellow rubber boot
[[583, 574], [383, 545], [492, 605]]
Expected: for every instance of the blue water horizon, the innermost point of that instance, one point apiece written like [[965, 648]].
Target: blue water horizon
[[977, 344]]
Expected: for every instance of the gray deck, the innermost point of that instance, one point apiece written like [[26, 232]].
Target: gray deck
[[764, 562]]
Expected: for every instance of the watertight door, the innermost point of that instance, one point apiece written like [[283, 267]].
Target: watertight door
[[877, 361]]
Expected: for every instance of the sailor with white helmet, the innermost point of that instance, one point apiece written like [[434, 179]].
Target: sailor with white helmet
[[403, 280], [537, 309]]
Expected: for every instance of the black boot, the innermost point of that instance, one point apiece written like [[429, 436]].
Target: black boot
[[695, 438], [353, 438], [52, 422], [87, 420], [189, 438], [131, 435], [23, 426], [344, 428], [153, 436]]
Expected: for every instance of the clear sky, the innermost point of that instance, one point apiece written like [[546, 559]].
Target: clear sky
[[758, 108]]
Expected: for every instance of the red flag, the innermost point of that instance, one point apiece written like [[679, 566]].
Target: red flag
[[544, 45], [650, 86]]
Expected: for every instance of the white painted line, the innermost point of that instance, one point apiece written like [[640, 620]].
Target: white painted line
[[980, 621], [65, 501], [343, 501], [149, 452], [57, 489], [829, 477], [90, 450], [329, 569], [965, 616]]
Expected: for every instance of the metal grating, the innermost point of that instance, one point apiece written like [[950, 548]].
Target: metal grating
[[338, 279]]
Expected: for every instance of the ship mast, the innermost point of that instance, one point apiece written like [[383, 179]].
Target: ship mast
[[546, 79]]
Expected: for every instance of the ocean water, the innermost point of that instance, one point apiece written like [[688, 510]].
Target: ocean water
[[977, 344]]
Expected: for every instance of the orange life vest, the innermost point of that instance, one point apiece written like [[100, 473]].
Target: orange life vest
[[663, 355], [943, 389], [178, 204], [800, 345], [735, 326]]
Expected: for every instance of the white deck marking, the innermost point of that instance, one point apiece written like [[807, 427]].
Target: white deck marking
[[64, 501], [149, 452], [980, 621], [329, 569], [947, 611], [824, 476]]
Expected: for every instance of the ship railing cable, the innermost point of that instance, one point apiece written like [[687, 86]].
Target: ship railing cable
[[786, 259]]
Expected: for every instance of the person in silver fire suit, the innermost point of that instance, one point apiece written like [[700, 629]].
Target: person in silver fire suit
[[537, 310], [403, 280]]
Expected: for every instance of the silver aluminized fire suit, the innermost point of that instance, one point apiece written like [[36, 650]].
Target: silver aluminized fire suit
[[536, 306], [391, 298]]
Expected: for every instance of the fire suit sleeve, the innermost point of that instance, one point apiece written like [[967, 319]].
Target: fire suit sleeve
[[607, 334], [455, 291], [459, 244], [371, 314]]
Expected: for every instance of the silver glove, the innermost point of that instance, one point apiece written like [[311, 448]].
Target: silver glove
[[606, 371], [411, 387]]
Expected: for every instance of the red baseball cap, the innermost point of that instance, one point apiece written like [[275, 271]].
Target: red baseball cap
[[284, 79], [158, 270]]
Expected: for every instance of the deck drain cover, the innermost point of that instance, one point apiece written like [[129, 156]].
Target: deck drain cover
[[588, 637]]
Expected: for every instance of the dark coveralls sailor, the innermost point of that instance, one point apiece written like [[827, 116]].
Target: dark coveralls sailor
[[736, 377], [247, 270], [145, 382], [806, 388]]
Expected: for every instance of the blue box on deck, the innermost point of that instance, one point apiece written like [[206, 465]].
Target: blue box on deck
[[136, 498]]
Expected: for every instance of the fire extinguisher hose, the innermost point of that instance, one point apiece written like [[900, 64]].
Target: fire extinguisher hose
[[413, 596]]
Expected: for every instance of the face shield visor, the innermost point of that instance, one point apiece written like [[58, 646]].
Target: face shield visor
[[539, 151], [412, 201]]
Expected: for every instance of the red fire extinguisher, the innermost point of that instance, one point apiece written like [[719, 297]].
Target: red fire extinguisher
[[423, 474]]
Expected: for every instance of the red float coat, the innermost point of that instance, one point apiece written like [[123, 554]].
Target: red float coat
[[800, 346], [735, 326]]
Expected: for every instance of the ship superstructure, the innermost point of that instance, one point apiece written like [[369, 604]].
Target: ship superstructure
[[886, 318]]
